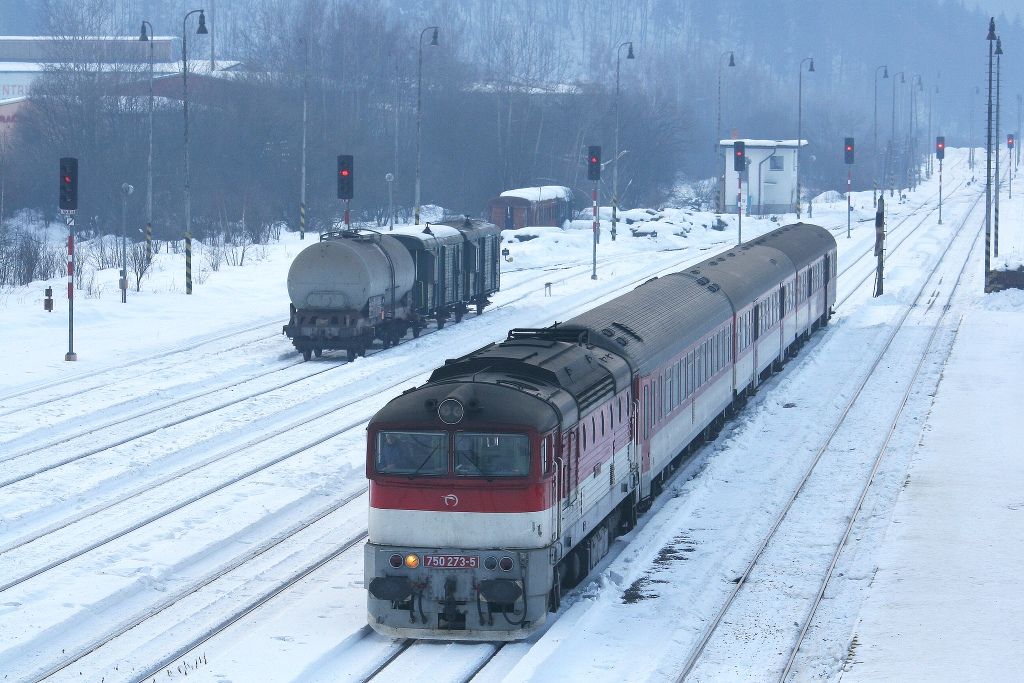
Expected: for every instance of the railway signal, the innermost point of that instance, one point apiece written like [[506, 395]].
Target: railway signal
[[345, 176], [848, 151], [594, 162], [68, 183], [1009, 141], [68, 202], [739, 156], [940, 148]]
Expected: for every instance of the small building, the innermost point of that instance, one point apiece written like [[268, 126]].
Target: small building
[[544, 205], [769, 184]]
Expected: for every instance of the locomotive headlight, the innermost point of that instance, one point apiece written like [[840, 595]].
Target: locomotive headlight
[[396, 560], [451, 411], [506, 564], [491, 563], [412, 561]]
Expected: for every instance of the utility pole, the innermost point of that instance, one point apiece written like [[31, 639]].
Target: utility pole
[[995, 228], [991, 37], [879, 244]]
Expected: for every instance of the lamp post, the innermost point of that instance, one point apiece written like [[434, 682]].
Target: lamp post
[[930, 91], [149, 161], [390, 177], [126, 190], [799, 124], [615, 167], [991, 37], [188, 191], [970, 129], [718, 129], [419, 100], [874, 172], [892, 136], [305, 119], [912, 162], [998, 180]]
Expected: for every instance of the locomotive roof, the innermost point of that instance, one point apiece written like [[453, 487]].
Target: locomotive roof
[[490, 399], [654, 321], [571, 376]]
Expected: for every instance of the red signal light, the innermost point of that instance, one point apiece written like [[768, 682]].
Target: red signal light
[[344, 172]]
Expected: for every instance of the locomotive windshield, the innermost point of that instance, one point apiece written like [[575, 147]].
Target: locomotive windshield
[[412, 453], [492, 455]]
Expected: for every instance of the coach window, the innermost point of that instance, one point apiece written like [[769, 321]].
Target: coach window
[[602, 423], [412, 453], [492, 455], [647, 412]]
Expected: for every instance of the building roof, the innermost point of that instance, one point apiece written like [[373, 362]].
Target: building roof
[[763, 143], [540, 193]]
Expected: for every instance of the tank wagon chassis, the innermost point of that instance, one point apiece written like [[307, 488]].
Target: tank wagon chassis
[[358, 286]]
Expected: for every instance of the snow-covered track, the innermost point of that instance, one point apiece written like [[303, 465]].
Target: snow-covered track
[[773, 585], [174, 598], [239, 338]]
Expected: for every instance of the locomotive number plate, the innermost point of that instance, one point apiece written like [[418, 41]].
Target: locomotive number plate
[[451, 561]]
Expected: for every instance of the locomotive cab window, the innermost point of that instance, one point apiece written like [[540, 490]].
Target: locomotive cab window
[[412, 453], [492, 455]]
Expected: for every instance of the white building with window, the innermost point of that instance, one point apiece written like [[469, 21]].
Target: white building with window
[[769, 184]]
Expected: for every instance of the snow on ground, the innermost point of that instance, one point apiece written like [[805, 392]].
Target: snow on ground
[[694, 537]]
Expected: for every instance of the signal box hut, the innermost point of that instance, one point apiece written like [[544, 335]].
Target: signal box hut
[[769, 185], [544, 205]]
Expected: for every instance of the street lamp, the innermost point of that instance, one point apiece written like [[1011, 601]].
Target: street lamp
[[126, 190], [885, 74], [718, 130], [892, 135], [615, 166], [799, 124], [991, 37], [419, 100], [149, 161], [998, 180], [188, 191]]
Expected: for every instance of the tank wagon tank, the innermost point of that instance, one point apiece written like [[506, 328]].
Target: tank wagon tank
[[357, 286]]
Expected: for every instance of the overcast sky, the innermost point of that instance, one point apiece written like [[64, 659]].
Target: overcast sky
[[994, 7]]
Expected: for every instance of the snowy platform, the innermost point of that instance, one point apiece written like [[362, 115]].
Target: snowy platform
[[947, 602]]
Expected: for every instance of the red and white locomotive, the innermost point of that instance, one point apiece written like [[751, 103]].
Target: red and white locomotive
[[505, 476]]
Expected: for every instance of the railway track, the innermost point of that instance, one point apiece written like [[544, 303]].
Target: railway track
[[762, 600], [90, 545]]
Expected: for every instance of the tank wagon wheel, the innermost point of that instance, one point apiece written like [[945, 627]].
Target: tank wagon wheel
[[318, 352], [351, 354], [440, 321], [480, 308], [458, 314], [416, 331], [307, 354]]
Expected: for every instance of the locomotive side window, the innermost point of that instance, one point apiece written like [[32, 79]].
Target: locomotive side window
[[545, 465], [492, 455], [412, 453]]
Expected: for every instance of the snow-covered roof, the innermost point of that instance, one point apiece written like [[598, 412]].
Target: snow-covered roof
[[540, 193], [763, 143], [437, 229]]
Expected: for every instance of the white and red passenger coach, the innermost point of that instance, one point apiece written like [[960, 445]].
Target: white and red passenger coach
[[503, 478]]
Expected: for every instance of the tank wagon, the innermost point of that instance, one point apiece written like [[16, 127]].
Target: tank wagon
[[356, 286], [504, 478]]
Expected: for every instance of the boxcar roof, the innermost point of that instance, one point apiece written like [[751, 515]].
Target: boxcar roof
[[801, 242]]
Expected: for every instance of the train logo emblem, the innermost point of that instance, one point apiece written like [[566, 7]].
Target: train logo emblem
[[451, 500]]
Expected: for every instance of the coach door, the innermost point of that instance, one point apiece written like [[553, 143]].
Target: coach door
[[755, 334], [826, 277]]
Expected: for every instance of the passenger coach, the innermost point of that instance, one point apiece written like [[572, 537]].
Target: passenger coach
[[504, 478]]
